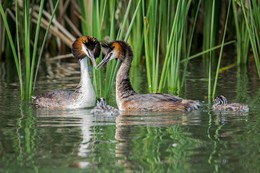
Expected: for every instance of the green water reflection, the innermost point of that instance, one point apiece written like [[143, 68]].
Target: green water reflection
[[75, 141]]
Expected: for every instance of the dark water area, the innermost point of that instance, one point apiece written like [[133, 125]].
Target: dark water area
[[33, 140]]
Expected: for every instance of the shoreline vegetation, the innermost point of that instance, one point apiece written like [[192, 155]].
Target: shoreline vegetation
[[165, 37]]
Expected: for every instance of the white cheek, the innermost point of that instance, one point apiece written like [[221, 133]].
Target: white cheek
[[114, 55], [84, 49]]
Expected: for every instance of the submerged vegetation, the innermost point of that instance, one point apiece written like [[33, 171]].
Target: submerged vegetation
[[164, 35]]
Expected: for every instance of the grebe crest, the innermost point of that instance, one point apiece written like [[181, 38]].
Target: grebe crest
[[221, 104], [103, 109], [84, 95], [86, 46], [127, 99]]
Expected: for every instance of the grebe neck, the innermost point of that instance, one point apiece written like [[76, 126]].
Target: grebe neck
[[85, 84], [123, 85]]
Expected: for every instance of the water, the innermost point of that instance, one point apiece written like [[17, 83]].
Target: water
[[34, 140]]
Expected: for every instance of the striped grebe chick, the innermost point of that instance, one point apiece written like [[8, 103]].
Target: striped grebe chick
[[221, 104], [127, 99], [103, 109], [84, 95]]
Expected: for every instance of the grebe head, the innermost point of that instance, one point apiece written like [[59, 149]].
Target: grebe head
[[101, 102], [116, 49], [220, 100], [86, 46]]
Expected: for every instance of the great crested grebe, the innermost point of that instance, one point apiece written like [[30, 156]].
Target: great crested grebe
[[103, 109], [84, 95], [127, 99], [221, 104]]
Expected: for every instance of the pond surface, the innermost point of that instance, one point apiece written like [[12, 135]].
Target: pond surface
[[34, 140]]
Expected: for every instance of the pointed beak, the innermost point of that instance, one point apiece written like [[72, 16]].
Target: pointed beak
[[90, 55], [92, 58], [105, 60]]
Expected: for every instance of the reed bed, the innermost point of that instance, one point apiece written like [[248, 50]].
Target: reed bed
[[165, 37]]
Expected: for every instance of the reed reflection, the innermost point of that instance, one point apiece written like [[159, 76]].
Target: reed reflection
[[161, 138]]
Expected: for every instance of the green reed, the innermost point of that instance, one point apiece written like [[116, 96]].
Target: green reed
[[111, 67], [165, 33], [211, 25], [104, 23], [115, 65], [242, 36], [12, 44], [220, 53], [251, 16], [173, 56], [136, 36], [171, 39], [211, 43], [190, 41], [160, 32], [171, 64], [150, 41], [23, 40]]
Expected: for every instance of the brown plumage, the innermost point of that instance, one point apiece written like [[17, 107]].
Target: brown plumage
[[91, 45], [127, 99]]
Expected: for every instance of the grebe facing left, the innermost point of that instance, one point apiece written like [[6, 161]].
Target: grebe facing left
[[84, 95], [221, 104], [127, 99]]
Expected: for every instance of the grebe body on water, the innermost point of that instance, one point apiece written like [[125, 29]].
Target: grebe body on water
[[103, 109], [127, 99], [221, 104], [84, 95]]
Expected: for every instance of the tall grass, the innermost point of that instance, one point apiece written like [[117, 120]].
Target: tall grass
[[168, 35], [251, 16], [23, 38], [242, 35], [211, 43], [102, 14], [12, 44], [174, 47], [211, 25], [220, 53], [165, 35]]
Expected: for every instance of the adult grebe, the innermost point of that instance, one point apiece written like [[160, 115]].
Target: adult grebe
[[84, 95], [221, 104], [127, 99], [103, 109]]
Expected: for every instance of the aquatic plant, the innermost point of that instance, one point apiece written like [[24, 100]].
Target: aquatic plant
[[251, 16], [23, 38], [220, 56], [242, 37], [164, 35]]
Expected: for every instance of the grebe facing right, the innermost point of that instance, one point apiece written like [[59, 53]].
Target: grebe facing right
[[84, 96], [221, 104], [127, 99]]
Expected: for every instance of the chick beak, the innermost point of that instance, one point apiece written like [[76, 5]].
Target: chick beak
[[105, 60]]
